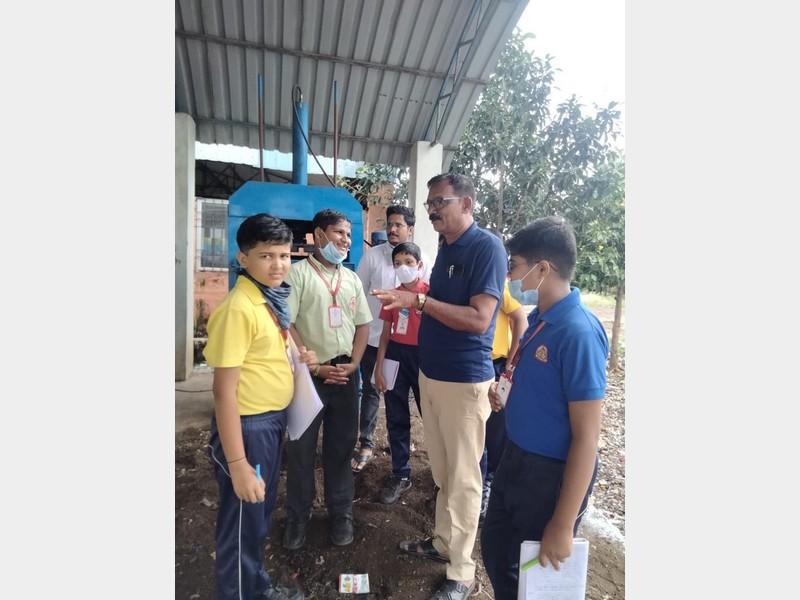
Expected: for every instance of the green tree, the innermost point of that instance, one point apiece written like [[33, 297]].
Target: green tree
[[528, 162], [601, 234], [503, 136], [369, 184]]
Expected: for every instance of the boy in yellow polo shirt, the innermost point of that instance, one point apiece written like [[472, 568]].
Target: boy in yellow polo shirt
[[248, 346]]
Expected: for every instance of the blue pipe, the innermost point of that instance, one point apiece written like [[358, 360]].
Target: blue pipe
[[299, 146]]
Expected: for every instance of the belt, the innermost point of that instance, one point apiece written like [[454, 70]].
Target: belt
[[338, 359]]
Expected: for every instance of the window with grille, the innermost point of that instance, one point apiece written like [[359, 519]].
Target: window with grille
[[212, 234]]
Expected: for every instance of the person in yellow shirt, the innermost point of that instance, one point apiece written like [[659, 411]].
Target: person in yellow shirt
[[248, 347], [511, 324]]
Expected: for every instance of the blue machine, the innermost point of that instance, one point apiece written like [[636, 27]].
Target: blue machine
[[296, 205]]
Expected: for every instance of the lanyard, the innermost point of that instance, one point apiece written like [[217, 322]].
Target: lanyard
[[284, 332], [325, 281], [518, 353]]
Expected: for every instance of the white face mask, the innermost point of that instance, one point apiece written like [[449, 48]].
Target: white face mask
[[406, 274]]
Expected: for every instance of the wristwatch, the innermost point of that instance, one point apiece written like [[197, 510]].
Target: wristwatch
[[421, 299]]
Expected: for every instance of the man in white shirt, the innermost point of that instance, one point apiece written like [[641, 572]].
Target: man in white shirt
[[376, 271]]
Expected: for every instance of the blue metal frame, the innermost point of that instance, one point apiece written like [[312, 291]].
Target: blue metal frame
[[293, 202]]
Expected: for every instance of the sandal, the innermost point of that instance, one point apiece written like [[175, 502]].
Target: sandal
[[422, 549], [359, 460]]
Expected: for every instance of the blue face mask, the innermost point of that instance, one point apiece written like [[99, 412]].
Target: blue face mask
[[527, 298], [331, 253]]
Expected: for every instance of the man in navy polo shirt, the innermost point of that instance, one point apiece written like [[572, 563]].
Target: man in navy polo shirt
[[552, 398], [455, 347]]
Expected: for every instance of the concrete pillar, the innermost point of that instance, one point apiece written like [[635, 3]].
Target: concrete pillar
[[184, 246], [426, 162]]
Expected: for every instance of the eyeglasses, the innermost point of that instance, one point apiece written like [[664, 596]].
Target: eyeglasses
[[512, 265], [439, 201]]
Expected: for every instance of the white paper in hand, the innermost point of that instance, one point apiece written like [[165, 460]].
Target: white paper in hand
[[568, 583], [390, 369], [305, 404]]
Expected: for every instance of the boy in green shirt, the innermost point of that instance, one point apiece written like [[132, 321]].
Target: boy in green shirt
[[330, 316]]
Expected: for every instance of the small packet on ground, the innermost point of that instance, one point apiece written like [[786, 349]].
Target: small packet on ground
[[350, 583]]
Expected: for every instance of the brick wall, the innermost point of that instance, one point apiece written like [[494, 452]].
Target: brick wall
[[210, 288]]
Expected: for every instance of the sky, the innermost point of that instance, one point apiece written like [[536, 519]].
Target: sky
[[586, 39]]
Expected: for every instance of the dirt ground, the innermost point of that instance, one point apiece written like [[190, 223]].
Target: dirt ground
[[378, 527]]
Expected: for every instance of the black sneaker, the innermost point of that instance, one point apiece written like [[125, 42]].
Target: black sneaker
[[278, 592], [294, 535], [391, 494], [341, 530]]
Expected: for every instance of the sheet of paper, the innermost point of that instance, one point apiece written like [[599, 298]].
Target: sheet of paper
[[305, 404], [390, 369], [569, 583]]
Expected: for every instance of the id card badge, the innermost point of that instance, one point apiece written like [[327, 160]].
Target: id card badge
[[335, 316], [504, 389], [289, 356], [402, 322]]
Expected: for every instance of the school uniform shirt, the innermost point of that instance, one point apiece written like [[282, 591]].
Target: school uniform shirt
[[565, 361], [411, 335], [310, 301], [242, 333], [376, 271], [502, 329]]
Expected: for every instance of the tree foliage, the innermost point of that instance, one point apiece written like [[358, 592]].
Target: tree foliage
[[369, 185], [529, 161], [600, 227], [601, 235]]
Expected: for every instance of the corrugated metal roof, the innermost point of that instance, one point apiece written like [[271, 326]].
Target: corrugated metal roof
[[405, 70]]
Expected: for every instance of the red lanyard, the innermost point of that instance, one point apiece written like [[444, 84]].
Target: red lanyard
[[284, 332], [518, 353], [325, 281]]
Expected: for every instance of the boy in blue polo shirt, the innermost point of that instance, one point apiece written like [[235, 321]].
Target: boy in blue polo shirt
[[552, 397]]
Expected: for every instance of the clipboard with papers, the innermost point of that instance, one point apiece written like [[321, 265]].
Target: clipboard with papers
[[389, 370]]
